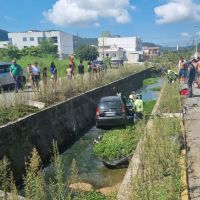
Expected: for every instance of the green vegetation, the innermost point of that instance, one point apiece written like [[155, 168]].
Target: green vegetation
[[169, 59], [9, 114], [116, 144], [87, 52], [148, 106], [160, 176], [91, 196], [80, 84], [170, 100], [150, 81], [156, 89], [35, 186]]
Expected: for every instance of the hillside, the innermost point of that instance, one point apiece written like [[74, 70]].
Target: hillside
[[3, 35]]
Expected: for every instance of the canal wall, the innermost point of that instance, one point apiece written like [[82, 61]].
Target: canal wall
[[64, 122]]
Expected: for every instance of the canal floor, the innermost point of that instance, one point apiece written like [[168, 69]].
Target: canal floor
[[91, 169]]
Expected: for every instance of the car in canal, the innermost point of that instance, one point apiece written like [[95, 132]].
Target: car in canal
[[112, 111]]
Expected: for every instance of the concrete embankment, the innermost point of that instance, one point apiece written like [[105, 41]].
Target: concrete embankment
[[64, 122]]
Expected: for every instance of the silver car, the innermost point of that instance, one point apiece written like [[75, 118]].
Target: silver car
[[6, 80]]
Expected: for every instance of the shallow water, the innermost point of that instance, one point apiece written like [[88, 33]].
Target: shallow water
[[91, 169]]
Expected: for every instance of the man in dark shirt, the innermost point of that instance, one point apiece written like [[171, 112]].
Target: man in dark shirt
[[191, 75], [81, 68]]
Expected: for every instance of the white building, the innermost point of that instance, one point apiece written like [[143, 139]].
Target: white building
[[63, 41], [131, 45]]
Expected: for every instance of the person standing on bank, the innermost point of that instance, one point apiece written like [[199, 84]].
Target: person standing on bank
[[53, 71], [16, 72], [191, 76], [81, 68]]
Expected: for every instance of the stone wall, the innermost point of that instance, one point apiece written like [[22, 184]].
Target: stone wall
[[65, 122]]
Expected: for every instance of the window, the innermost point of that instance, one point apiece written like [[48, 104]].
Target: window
[[54, 39], [4, 69], [31, 38], [24, 39]]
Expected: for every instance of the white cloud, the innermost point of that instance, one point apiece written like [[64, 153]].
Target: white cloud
[[97, 24], [8, 18], [198, 33], [81, 12], [184, 34], [176, 11]]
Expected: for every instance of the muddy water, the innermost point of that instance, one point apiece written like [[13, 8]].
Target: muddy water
[[91, 170]]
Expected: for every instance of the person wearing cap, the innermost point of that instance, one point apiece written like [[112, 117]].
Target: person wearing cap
[[16, 72], [191, 75], [139, 107]]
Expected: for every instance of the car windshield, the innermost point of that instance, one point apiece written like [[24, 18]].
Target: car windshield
[[106, 105], [4, 68], [97, 62]]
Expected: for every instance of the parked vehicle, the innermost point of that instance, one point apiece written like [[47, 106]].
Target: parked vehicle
[[115, 63], [99, 65], [6, 80], [112, 111]]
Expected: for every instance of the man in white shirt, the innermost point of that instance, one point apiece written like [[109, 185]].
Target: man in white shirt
[[35, 74]]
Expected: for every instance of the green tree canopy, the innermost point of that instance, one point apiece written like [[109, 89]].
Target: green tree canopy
[[47, 47], [87, 52]]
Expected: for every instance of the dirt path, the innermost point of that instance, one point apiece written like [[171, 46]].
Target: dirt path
[[192, 125]]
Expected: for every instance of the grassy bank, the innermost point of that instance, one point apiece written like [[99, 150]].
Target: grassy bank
[[150, 81], [80, 84], [9, 114], [159, 177], [35, 186]]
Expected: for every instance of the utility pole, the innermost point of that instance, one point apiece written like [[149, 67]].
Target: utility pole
[[177, 47], [103, 48]]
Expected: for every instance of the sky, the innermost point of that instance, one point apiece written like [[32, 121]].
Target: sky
[[165, 22]]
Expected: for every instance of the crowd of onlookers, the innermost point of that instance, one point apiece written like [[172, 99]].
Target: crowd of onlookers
[[189, 72], [35, 74]]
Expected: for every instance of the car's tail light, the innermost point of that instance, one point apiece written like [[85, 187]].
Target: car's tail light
[[123, 110], [97, 112]]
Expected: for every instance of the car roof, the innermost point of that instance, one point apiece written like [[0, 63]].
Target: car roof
[[4, 63], [110, 98]]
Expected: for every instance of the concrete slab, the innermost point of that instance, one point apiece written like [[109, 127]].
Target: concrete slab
[[192, 127]]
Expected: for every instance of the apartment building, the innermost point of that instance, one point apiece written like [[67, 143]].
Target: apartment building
[[62, 40], [132, 46]]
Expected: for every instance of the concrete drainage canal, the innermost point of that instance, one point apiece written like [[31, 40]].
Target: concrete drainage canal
[[90, 169]]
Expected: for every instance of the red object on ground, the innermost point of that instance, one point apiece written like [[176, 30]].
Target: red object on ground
[[184, 92]]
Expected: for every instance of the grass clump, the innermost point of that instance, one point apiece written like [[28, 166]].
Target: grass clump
[[150, 81], [116, 144], [91, 196], [156, 89], [148, 106], [170, 101], [9, 114]]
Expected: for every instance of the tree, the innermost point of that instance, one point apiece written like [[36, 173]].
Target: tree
[[47, 47], [31, 51], [86, 52], [13, 52]]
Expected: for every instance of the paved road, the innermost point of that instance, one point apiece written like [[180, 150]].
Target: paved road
[[192, 124]]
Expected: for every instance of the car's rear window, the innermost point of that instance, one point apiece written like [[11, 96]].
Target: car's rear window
[[4, 68], [105, 105]]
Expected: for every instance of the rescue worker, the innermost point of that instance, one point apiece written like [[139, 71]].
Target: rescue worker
[[139, 108], [171, 76]]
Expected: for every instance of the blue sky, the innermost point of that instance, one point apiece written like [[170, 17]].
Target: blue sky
[[166, 22]]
